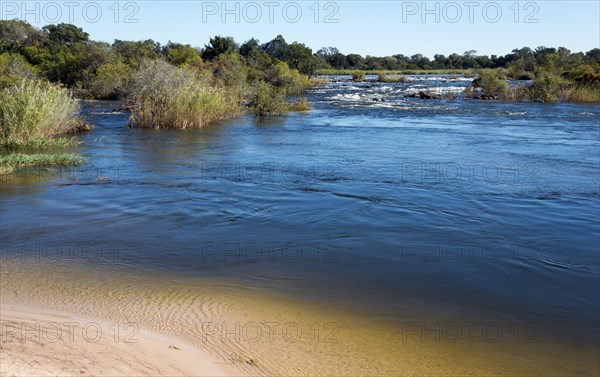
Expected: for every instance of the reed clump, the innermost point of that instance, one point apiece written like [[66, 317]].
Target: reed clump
[[169, 97], [583, 94], [34, 112]]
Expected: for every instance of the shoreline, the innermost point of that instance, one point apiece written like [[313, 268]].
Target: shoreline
[[43, 343], [244, 332]]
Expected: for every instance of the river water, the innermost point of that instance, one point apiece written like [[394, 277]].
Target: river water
[[394, 209]]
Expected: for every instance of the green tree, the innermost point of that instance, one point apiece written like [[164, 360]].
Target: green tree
[[276, 48], [110, 80], [355, 61], [66, 34], [248, 48], [17, 34], [133, 53], [217, 46], [184, 55], [301, 58]]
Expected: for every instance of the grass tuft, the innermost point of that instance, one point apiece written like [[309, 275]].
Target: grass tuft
[[34, 112], [11, 162]]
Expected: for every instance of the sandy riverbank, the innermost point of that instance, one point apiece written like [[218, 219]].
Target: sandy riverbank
[[198, 327], [37, 342]]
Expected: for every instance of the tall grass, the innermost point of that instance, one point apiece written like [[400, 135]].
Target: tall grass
[[32, 112], [165, 96], [583, 94]]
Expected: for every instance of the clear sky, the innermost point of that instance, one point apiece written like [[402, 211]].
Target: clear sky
[[377, 28]]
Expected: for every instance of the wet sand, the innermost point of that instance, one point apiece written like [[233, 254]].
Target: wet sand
[[194, 327]]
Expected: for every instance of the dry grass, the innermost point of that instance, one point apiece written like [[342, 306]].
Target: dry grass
[[34, 112], [583, 94], [166, 97]]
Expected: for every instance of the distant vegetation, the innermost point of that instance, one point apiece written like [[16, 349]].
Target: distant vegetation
[[170, 86], [180, 86], [64, 54], [547, 85], [376, 72], [190, 87]]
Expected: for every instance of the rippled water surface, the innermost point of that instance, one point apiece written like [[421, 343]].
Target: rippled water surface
[[393, 207]]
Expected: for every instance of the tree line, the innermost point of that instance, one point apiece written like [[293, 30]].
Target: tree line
[[64, 53]]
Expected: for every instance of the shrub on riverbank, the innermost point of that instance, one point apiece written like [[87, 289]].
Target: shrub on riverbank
[[490, 83], [34, 112], [300, 105], [110, 81], [290, 81], [14, 68], [165, 96], [267, 100], [545, 88]]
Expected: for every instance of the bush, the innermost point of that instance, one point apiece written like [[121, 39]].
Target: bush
[[490, 83], [358, 76], [300, 105], [165, 96], [290, 81], [14, 68], [33, 112], [110, 81], [229, 70], [267, 100], [545, 88], [591, 79], [386, 78], [184, 55]]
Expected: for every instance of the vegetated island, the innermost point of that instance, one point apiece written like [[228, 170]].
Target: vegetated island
[[44, 71]]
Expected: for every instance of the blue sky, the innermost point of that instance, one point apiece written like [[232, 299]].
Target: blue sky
[[377, 28]]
